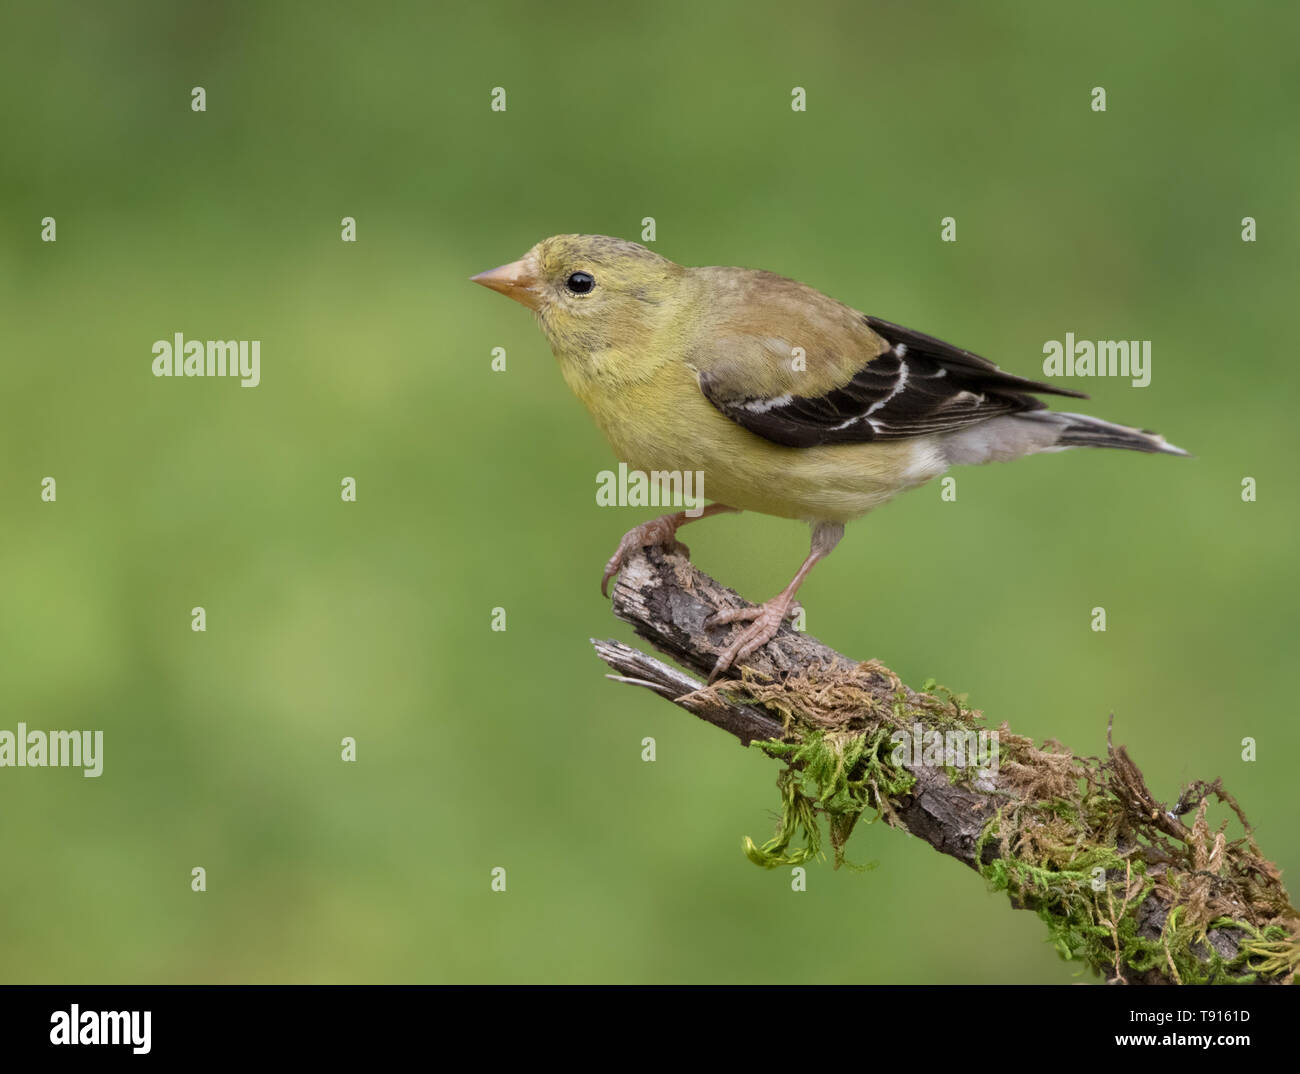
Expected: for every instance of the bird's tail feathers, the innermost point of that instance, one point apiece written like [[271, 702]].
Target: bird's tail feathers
[[1081, 430]]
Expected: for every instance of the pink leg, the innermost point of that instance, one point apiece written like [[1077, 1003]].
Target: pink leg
[[658, 531], [766, 619]]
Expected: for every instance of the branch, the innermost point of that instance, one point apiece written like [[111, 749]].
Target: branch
[[1120, 880]]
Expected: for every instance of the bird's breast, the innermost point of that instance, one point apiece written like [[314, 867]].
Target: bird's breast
[[665, 424]]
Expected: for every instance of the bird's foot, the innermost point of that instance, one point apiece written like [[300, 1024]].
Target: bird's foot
[[765, 621], [658, 531]]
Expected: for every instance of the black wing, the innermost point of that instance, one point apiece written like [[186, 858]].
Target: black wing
[[919, 386]]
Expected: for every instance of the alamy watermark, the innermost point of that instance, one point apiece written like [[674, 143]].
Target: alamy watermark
[[919, 748], [179, 357], [75, 1026], [1104, 358], [656, 488], [53, 749]]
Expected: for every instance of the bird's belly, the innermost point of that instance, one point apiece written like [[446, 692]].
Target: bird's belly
[[833, 483]]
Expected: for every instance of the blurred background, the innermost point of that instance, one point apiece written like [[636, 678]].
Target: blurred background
[[478, 749]]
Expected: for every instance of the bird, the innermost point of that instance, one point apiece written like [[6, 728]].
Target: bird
[[787, 401]]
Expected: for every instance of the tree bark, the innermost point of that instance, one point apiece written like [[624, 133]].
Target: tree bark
[[1247, 927]]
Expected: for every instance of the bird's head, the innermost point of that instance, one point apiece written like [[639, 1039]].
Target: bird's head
[[590, 292]]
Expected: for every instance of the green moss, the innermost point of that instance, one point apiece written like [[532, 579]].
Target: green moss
[[1092, 917], [1052, 846], [840, 775]]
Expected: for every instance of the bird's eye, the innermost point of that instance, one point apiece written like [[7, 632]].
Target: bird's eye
[[580, 283]]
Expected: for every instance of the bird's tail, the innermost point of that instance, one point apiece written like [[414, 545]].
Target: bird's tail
[[1080, 430]]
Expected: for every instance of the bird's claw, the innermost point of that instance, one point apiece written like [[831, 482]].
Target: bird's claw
[[766, 622], [658, 531]]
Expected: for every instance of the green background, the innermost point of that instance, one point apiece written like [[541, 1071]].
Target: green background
[[476, 489]]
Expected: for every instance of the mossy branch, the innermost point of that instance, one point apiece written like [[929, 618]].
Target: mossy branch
[[1123, 884]]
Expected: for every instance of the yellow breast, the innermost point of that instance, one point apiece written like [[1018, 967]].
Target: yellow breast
[[664, 423]]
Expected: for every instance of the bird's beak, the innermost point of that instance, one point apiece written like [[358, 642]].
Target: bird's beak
[[515, 280]]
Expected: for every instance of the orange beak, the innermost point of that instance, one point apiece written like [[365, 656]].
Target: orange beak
[[515, 280]]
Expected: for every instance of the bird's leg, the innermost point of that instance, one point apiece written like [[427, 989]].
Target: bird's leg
[[658, 531], [767, 618]]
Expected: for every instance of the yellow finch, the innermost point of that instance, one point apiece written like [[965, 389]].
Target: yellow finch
[[789, 402]]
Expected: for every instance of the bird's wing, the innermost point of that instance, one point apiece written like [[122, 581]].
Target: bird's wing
[[866, 380]]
